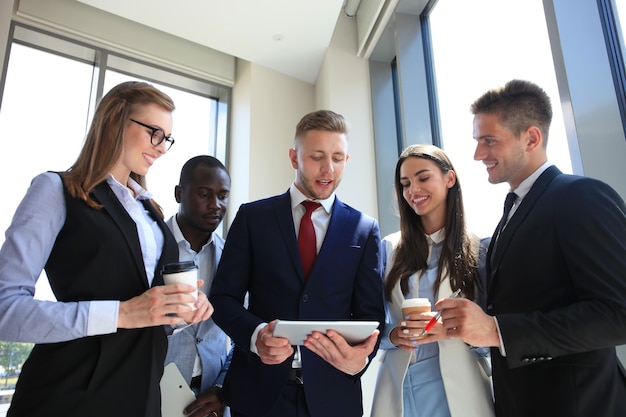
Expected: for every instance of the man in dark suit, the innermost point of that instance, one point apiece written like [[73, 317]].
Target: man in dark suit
[[267, 376], [556, 292]]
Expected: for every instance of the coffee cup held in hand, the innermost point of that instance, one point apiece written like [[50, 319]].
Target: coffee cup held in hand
[[415, 305], [185, 272]]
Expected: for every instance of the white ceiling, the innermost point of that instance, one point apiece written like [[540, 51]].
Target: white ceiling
[[289, 36]]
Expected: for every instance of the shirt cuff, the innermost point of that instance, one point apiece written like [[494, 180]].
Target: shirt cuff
[[367, 361], [253, 348], [179, 326], [501, 347], [102, 317]]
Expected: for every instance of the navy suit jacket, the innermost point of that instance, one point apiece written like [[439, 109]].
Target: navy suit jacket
[[557, 285], [261, 258]]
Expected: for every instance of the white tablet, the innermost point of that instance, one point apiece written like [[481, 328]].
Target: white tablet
[[352, 330], [175, 393]]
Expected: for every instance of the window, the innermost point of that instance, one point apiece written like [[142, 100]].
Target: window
[[48, 99], [612, 13], [620, 12], [501, 41]]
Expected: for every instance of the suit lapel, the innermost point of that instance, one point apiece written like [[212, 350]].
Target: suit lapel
[[219, 247], [284, 218], [495, 255], [170, 247], [104, 195], [336, 229], [339, 221]]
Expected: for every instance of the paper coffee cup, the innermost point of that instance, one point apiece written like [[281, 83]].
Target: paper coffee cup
[[415, 305], [185, 272]]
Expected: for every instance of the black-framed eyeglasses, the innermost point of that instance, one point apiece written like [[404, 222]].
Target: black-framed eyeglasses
[[158, 135]]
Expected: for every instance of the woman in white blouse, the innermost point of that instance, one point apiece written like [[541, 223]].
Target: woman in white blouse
[[430, 257]]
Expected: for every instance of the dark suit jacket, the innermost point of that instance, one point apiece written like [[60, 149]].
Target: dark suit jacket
[[261, 257], [557, 285], [97, 256]]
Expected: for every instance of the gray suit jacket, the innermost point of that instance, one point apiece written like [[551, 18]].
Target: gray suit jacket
[[205, 339]]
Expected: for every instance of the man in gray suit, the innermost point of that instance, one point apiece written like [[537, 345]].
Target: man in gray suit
[[202, 351]]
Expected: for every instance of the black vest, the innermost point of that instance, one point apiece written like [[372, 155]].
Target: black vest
[[97, 256]]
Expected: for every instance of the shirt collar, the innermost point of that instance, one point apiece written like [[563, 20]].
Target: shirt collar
[[140, 192], [525, 185], [180, 238], [298, 197], [437, 237]]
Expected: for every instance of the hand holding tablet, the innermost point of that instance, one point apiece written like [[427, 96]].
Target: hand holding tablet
[[297, 331]]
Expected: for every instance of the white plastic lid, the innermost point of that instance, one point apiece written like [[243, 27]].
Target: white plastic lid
[[416, 302]]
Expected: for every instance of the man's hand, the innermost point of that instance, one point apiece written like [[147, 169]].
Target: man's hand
[[272, 350], [208, 403], [334, 349], [463, 319]]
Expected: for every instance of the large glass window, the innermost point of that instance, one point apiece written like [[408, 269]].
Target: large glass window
[[501, 40], [620, 11], [50, 90]]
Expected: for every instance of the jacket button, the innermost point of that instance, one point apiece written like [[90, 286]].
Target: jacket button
[[305, 298]]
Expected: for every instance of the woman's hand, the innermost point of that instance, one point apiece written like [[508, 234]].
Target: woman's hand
[[163, 304], [407, 334]]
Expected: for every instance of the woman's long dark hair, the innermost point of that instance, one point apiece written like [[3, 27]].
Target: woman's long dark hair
[[459, 255]]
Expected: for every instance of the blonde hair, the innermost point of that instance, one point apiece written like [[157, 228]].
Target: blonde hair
[[104, 141]]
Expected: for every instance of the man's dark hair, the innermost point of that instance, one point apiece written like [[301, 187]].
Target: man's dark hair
[[201, 160], [518, 105]]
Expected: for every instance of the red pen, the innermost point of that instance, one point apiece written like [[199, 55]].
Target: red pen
[[432, 321]]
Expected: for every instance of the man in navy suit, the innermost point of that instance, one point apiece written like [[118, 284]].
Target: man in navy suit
[[267, 376], [556, 292]]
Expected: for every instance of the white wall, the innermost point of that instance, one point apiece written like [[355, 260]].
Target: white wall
[[343, 86], [266, 108]]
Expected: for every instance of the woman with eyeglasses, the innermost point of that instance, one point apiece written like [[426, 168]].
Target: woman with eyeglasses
[[102, 241]]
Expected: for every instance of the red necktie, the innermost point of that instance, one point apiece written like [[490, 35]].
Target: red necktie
[[306, 238]]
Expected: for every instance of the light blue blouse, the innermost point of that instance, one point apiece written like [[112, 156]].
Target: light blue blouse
[[422, 285], [30, 239]]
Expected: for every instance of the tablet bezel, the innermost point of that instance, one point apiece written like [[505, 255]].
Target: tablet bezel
[[296, 331]]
